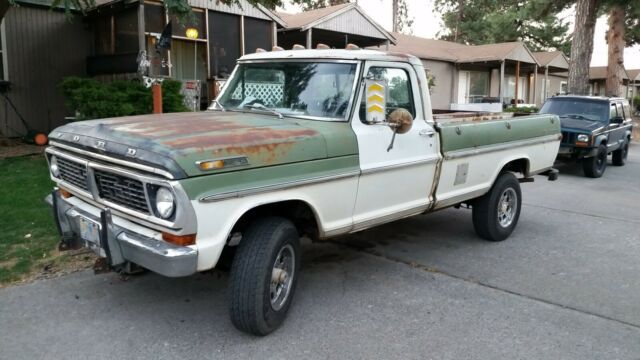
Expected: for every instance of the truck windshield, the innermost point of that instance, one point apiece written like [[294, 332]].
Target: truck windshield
[[580, 109], [307, 89]]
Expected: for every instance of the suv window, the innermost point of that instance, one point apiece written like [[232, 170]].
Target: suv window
[[627, 110], [614, 113], [399, 94]]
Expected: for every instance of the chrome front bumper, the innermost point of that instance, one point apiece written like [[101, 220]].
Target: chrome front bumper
[[119, 245]]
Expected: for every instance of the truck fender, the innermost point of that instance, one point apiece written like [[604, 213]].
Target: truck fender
[[513, 159]]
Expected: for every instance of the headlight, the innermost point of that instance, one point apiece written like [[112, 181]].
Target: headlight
[[165, 202], [583, 138], [53, 166]]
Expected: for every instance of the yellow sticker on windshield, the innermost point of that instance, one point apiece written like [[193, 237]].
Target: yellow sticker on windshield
[[376, 100]]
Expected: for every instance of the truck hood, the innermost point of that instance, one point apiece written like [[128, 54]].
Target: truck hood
[[580, 125], [175, 142]]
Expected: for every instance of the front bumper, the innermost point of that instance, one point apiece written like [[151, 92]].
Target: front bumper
[[118, 244], [576, 152]]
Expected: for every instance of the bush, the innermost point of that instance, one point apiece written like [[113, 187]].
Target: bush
[[91, 99], [522, 109]]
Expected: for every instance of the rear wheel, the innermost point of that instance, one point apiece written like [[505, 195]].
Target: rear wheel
[[619, 157], [264, 274], [595, 166], [496, 214]]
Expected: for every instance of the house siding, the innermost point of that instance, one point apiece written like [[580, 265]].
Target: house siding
[[37, 62], [443, 73]]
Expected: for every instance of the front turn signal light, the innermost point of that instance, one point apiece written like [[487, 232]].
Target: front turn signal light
[[180, 240], [64, 193]]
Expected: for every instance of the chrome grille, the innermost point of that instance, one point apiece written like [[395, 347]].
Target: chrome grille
[[72, 172], [121, 190]]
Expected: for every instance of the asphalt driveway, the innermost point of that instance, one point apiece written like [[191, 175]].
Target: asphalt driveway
[[566, 285]]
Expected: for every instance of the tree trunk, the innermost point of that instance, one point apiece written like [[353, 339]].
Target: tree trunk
[[395, 4], [615, 39], [582, 46]]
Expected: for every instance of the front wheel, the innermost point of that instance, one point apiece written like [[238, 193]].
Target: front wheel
[[595, 166], [496, 214], [264, 274]]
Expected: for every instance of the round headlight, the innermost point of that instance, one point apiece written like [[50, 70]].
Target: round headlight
[[583, 138], [165, 202], [53, 166]]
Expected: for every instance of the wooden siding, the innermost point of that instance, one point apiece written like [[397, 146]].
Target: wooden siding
[[43, 47], [245, 8], [352, 22]]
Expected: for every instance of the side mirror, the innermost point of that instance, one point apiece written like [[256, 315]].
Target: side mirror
[[400, 120], [617, 120]]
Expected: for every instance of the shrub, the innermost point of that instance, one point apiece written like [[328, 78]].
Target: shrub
[[91, 99], [522, 109]]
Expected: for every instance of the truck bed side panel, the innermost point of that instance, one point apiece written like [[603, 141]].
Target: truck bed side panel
[[475, 153]]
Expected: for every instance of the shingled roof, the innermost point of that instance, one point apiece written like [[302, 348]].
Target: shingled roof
[[600, 72]]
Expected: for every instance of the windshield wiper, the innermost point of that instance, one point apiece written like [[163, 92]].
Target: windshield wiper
[[258, 106], [216, 102]]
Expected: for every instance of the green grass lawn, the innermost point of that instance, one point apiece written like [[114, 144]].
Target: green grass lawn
[[29, 236]]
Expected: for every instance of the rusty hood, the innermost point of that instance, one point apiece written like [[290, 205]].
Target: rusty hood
[[175, 142]]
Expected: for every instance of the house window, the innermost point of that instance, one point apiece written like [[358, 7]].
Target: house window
[[563, 88], [511, 88], [4, 72], [196, 21], [473, 86]]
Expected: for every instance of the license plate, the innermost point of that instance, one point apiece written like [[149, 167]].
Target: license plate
[[90, 231]]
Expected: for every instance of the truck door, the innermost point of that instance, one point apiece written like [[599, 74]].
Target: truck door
[[396, 180]]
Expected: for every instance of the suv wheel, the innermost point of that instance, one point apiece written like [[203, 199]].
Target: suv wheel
[[619, 157], [264, 275], [595, 166]]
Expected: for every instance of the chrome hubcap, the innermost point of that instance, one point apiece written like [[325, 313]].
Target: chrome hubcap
[[281, 277], [507, 207]]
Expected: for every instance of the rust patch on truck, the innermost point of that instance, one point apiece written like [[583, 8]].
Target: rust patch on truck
[[243, 138], [171, 127]]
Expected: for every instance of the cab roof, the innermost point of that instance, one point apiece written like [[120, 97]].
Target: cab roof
[[333, 54], [589, 97]]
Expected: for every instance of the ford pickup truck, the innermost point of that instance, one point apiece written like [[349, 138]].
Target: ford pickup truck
[[301, 143]]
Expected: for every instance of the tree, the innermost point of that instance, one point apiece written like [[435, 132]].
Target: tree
[[476, 22], [582, 46], [624, 21], [401, 21]]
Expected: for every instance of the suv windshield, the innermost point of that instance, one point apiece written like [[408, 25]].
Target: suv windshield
[[320, 90], [581, 109]]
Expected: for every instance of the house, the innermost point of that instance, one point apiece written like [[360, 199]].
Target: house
[[40, 46], [483, 77], [598, 80], [634, 84], [334, 26]]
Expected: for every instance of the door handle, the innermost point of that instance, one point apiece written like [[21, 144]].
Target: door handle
[[427, 132]]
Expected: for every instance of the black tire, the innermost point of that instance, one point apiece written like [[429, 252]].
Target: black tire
[[619, 157], [595, 166], [251, 307], [487, 221]]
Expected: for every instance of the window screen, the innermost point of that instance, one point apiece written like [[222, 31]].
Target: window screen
[[197, 21], [257, 34], [126, 31], [224, 42], [154, 18]]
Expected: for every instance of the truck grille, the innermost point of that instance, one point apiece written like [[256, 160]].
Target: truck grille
[[121, 190], [568, 137], [73, 173]]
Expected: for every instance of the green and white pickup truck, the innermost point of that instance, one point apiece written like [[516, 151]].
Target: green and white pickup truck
[[302, 143]]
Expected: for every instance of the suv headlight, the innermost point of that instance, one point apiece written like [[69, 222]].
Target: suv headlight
[[582, 138], [165, 202], [53, 166]]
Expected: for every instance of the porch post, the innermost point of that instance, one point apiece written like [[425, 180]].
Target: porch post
[[502, 82], [309, 39], [546, 82], [141, 39], [535, 84], [517, 81], [274, 34], [386, 45], [242, 35]]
